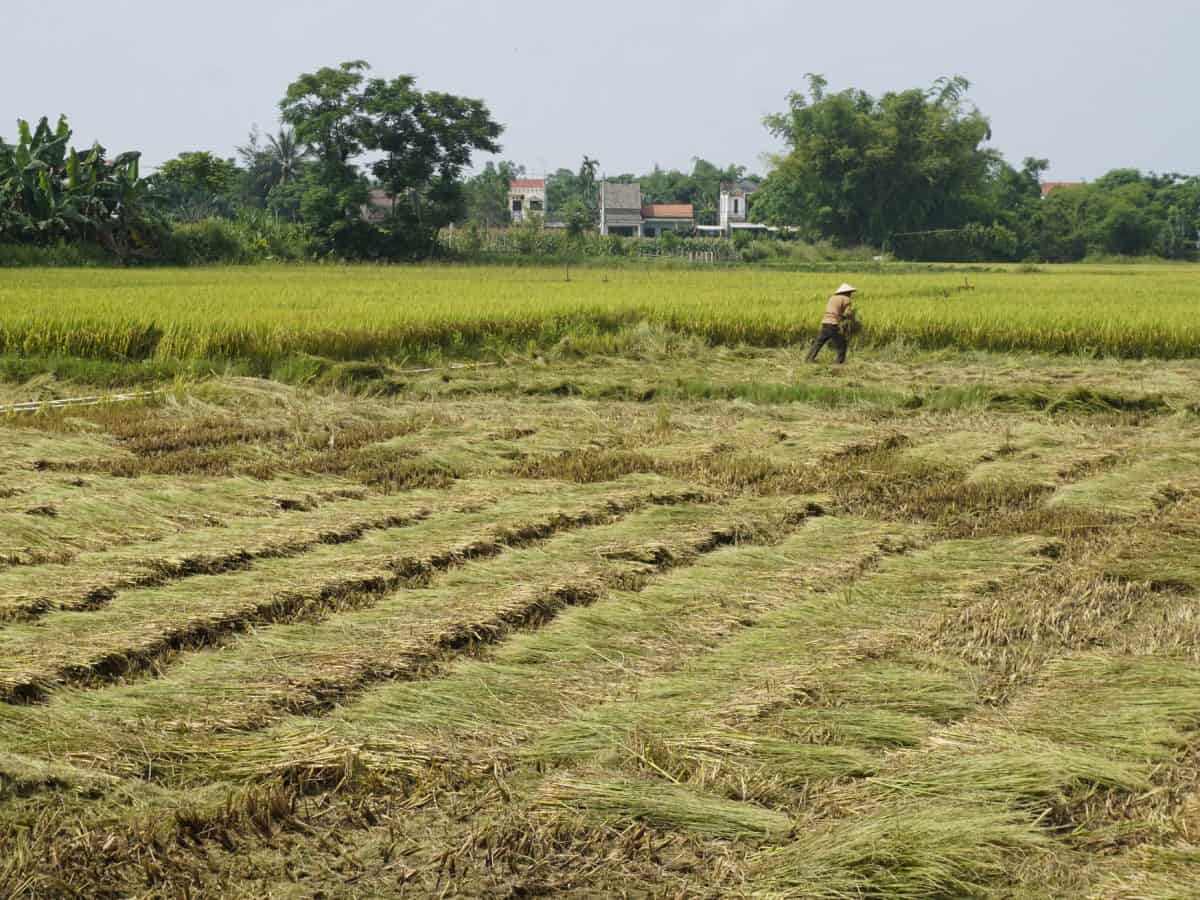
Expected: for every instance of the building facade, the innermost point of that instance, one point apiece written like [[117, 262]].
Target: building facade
[[734, 203], [659, 218], [526, 197], [620, 209]]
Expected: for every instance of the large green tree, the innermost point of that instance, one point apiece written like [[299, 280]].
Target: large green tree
[[860, 168], [421, 143], [426, 140], [325, 110]]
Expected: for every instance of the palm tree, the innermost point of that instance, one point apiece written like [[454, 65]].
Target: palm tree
[[285, 153], [587, 177]]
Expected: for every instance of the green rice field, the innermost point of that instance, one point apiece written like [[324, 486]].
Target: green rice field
[[357, 313]]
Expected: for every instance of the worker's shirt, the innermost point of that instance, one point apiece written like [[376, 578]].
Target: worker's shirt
[[837, 310]]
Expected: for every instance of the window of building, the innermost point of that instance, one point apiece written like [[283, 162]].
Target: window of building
[[737, 206], [516, 204], [535, 205]]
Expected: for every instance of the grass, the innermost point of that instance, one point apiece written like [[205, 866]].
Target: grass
[[702, 712], [1150, 873], [957, 816], [59, 516], [1135, 489]]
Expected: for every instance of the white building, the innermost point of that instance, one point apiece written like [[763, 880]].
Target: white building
[[733, 211], [526, 196]]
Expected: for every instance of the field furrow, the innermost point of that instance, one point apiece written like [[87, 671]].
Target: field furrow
[[421, 634], [142, 627], [482, 705], [92, 580], [506, 707], [764, 715], [528, 687], [309, 668], [1137, 489], [1073, 747], [59, 518]]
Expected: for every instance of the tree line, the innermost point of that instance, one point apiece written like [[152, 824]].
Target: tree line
[[910, 172], [344, 134]]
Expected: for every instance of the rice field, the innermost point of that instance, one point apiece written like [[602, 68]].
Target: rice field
[[419, 313], [683, 620]]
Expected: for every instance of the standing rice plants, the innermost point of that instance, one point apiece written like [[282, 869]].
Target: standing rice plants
[[345, 313]]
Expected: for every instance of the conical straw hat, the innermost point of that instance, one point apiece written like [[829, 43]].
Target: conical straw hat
[[845, 289]]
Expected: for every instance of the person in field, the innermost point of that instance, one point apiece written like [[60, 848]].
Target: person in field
[[839, 313]]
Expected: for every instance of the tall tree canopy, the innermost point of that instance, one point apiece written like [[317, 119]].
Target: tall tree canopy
[[486, 194], [197, 185], [426, 139], [1123, 212], [861, 168], [422, 141]]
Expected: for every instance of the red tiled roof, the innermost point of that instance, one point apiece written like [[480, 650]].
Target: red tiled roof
[[527, 183], [1048, 186], [668, 211]]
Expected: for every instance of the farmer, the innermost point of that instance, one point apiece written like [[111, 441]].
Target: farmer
[[835, 323]]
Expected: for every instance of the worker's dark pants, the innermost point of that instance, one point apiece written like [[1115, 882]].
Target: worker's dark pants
[[829, 334]]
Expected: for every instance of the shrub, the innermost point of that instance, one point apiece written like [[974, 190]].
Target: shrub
[[253, 237], [757, 251], [206, 241]]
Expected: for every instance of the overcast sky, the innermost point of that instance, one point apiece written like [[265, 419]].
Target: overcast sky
[[1090, 84]]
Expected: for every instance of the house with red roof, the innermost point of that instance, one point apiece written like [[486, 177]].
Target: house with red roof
[[659, 218], [526, 196]]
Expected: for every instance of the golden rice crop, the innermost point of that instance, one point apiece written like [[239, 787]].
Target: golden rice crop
[[341, 312]]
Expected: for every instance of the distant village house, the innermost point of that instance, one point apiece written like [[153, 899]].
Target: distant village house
[[733, 211], [734, 205], [620, 209], [660, 218], [526, 197], [623, 212], [380, 204]]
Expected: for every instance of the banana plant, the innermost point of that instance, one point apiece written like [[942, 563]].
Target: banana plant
[[50, 191]]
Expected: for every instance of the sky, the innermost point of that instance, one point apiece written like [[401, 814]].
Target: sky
[[1089, 84]]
